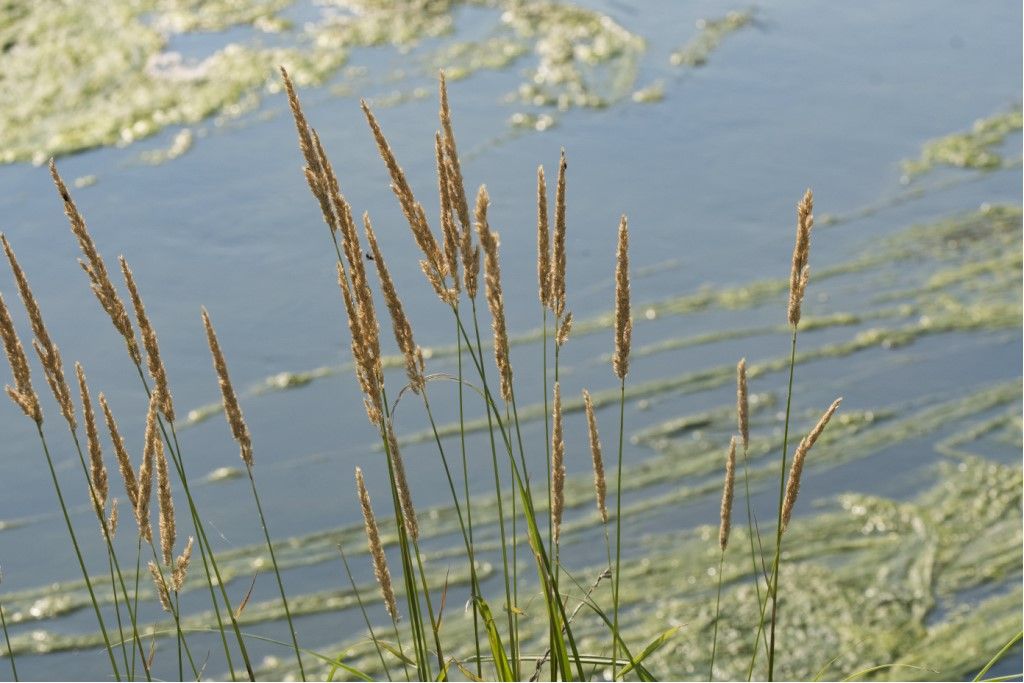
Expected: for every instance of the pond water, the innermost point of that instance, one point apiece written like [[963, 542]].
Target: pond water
[[705, 133]]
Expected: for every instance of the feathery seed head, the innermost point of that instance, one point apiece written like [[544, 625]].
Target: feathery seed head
[[49, 354], [457, 186], [22, 393], [727, 494], [367, 369], [232, 411], [543, 241], [149, 341], [600, 486], [495, 298], [98, 483], [161, 587], [448, 227], [557, 465], [124, 462], [800, 271], [112, 519], [380, 563], [181, 565], [558, 247], [96, 269], [399, 322], [168, 531], [409, 519], [623, 319], [742, 403], [151, 444], [564, 329], [797, 468]]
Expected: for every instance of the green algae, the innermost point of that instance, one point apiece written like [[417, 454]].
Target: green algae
[[712, 32], [107, 73], [973, 149]]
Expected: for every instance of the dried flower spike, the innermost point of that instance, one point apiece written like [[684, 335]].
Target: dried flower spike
[[742, 403], [543, 241], [181, 565], [232, 411], [124, 462], [149, 341], [96, 269], [161, 587], [623, 321], [151, 444], [797, 468], [49, 354], [22, 393], [557, 465], [380, 563], [800, 271], [495, 298], [98, 483], [600, 486], [168, 531], [727, 493], [558, 258]]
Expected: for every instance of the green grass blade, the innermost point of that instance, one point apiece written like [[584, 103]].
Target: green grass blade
[[502, 668]]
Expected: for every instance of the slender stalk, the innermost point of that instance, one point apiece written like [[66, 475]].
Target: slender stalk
[[362, 609], [117, 611], [718, 604], [78, 552], [618, 525], [750, 532], [111, 557], [782, 495], [176, 616], [135, 606], [277, 572], [469, 508], [547, 409], [497, 480], [7, 639]]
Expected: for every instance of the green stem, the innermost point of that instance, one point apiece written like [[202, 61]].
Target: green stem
[[117, 612], [782, 495], [718, 605], [78, 552], [7, 639], [618, 525], [469, 508], [277, 572], [366, 618], [175, 614]]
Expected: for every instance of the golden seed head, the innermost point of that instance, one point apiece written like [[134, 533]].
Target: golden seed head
[[49, 354], [399, 322], [301, 125], [409, 519], [557, 465], [232, 411], [558, 246], [112, 519], [161, 587], [98, 483], [96, 269], [151, 444], [495, 298], [22, 393], [149, 341], [742, 403], [457, 185], [800, 271], [168, 531], [367, 371], [600, 486], [448, 227], [124, 462], [797, 468], [564, 329], [543, 241], [181, 565], [414, 213], [380, 563], [727, 494], [623, 320]]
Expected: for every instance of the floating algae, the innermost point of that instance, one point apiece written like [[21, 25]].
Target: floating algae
[[85, 75], [975, 148], [712, 32]]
